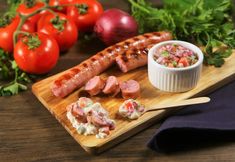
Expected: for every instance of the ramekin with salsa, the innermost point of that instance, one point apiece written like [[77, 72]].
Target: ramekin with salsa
[[174, 66]]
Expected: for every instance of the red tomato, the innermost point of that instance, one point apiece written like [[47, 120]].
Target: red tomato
[[184, 61], [6, 33], [86, 17], [62, 29], [25, 10], [29, 27], [60, 2], [36, 57]]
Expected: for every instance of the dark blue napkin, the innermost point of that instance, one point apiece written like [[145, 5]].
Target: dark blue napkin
[[199, 125]]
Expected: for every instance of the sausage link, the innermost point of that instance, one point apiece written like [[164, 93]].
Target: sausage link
[[80, 74]]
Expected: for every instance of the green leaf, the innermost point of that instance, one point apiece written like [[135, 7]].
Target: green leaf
[[14, 65], [225, 53], [12, 89]]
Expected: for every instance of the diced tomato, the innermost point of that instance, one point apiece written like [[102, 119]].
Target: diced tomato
[[130, 107], [184, 61]]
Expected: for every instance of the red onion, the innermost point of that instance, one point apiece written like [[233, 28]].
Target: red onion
[[114, 26]]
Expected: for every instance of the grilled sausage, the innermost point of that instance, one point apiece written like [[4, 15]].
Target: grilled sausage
[[94, 85], [80, 74], [133, 59], [130, 89], [111, 86]]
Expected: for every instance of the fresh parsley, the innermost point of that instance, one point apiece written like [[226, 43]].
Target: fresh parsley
[[10, 71], [205, 23]]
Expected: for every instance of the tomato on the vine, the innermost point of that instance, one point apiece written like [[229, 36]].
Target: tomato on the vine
[[28, 27], [85, 13], [8, 29], [36, 53], [61, 28], [28, 7], [59, 3]]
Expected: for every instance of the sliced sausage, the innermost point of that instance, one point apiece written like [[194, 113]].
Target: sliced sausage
[[78, 76], [130, 89], [111, 86], [96, 119], [94, 85], [77, 112]]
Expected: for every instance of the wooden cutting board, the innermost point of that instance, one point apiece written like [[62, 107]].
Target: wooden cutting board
[[211, 79]]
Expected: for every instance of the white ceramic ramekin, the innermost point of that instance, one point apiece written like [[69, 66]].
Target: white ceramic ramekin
[[174, 79]]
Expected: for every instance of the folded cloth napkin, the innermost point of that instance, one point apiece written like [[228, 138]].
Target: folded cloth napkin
[[198, 125]]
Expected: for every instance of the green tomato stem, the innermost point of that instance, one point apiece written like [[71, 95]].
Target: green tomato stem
[[23, 18], [82, 8], [22, 21]]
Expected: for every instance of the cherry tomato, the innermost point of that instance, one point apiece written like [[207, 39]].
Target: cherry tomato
[[60, 2], [6, 33], [36, 54], [26, 10], [85, 14], [61, 28]]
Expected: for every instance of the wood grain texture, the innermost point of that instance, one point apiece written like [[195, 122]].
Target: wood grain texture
[[28, 132]]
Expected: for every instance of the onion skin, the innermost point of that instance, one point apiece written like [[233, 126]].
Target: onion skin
[[114, 26]]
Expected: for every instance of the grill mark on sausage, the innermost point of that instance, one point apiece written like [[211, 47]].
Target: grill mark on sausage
[[136, 39], [124, 57], [75, 70], [101, 54], [127, 44], [116, 47], [67, 76], [135, 55], [58, 82], [93, 59], [157, 34], [147, 36], [109, 50], [135, 50], [85, 65]]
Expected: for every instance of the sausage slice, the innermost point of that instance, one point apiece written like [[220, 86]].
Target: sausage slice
[[130, 89], [94, 85], [111, 86]]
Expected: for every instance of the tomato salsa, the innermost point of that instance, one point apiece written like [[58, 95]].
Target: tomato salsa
[[175, 56]]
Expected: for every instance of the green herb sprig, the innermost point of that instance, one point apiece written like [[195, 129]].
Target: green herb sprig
[[10, 71]]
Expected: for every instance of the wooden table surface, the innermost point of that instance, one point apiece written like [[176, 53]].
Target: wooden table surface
[[28, 132]]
